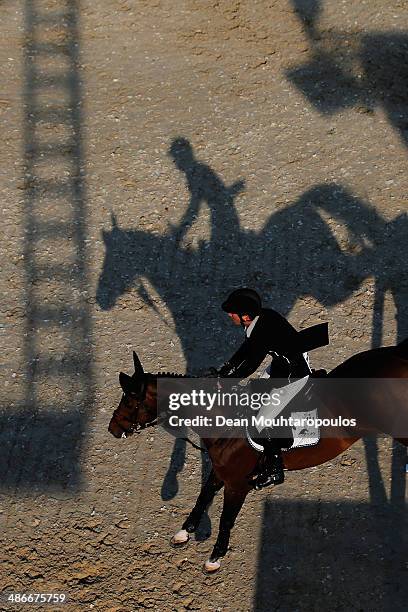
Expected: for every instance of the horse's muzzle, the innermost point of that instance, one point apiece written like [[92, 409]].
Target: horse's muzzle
[[116, 430]]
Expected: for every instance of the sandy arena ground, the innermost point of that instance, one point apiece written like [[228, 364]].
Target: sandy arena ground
[[157, 154]]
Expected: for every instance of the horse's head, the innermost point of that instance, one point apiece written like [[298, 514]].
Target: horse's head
[[138, 407]]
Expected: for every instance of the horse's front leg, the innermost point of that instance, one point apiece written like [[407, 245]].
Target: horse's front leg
[[233, 501], [210, 488]]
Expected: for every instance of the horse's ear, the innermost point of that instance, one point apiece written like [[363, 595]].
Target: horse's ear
[[125, 381], [114, 221], [105, 236], [138, 366]]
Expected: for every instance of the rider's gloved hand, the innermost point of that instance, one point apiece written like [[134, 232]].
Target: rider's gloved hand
[[225, 370]]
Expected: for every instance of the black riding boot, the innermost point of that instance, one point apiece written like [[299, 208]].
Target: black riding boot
[[272, 467]]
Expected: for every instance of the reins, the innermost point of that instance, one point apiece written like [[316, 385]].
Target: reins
[[200, 448], [173, 375]]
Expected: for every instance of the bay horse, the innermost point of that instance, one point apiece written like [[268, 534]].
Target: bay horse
[[233, 459]]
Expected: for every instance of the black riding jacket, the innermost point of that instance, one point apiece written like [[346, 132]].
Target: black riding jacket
[[272, 334]]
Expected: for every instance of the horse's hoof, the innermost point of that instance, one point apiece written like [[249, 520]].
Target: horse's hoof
[[180, 539], [210, 567]]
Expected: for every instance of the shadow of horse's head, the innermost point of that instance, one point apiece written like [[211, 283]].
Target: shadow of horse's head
[[129, 255], [113, 280]]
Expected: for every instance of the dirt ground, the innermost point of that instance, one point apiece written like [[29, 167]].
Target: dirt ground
[[157, 154]]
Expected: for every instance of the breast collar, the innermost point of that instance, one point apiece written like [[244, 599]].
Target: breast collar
[[250, 328]]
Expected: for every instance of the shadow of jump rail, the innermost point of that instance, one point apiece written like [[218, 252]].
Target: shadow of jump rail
[[332, 556]]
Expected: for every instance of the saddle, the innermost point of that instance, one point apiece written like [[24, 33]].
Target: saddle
[[304, 433]]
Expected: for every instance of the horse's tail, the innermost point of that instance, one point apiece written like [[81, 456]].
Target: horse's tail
[[402, 348]]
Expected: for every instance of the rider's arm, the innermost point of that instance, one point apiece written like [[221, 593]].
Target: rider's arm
[[190, 215], [247, 359]]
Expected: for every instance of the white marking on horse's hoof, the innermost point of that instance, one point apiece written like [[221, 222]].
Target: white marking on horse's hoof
[[211, 566], [180, 538]]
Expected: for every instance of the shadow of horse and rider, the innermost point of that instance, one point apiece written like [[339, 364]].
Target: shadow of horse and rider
[[296, 254], [365, 71], [349, 69]]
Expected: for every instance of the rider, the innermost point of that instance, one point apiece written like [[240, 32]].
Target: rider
[[267, 333]]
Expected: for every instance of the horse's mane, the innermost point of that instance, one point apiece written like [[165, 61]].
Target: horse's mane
[[170, 375]]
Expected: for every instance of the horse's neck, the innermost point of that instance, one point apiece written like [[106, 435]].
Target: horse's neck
[[154, 378]]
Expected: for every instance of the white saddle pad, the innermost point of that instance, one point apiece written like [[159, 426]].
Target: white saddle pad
[[305, 435]]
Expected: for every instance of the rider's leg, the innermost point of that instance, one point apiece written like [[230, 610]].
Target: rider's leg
[[275, 439], [300, 366], [272, 465]]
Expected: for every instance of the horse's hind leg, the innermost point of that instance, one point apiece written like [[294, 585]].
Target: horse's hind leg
[[210, 488], [233, 501]]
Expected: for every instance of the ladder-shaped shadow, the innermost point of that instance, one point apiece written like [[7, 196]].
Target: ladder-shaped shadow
[[41, 439]]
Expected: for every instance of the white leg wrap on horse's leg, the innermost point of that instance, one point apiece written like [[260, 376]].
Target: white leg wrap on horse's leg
[[180, 537], [211, 566]]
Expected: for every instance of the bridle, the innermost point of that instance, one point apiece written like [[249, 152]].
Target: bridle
[[138, 427], [140, 398]]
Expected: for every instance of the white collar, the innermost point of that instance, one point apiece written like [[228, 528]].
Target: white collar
[[250, 328]]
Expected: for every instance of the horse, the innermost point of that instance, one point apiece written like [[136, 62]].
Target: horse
[[233, 459], [164, 268]]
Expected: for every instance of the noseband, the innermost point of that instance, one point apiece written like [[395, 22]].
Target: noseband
[[137, 429]]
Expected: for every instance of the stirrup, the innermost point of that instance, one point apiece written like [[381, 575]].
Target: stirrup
[[265, 480], [271, 473]]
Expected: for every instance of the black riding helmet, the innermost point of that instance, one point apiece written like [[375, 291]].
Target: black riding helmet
[[243, 301]]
